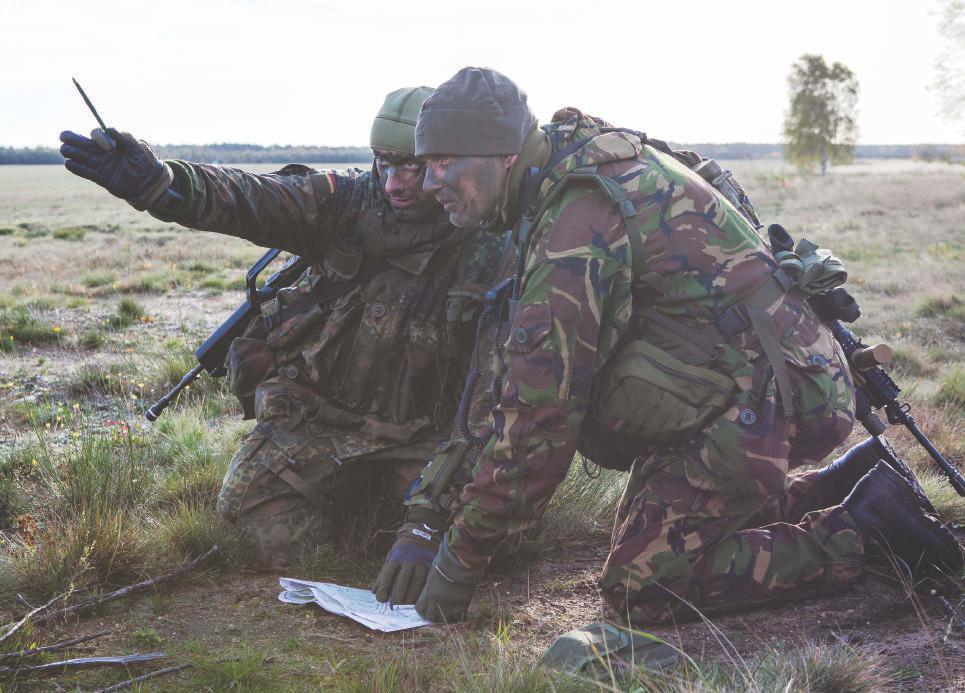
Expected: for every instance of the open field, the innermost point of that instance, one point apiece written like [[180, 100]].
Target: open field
[[100, 309]]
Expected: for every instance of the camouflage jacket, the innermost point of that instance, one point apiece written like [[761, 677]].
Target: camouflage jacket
[[387, 359], [582, 290]]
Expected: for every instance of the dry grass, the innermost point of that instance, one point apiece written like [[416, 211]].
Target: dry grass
[[119, 501]]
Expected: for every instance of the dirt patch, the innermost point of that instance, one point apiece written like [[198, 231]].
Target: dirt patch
[[535, 603]]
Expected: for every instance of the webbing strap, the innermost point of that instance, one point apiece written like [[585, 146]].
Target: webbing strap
[[767, 335], [288, 475], [282, 468]]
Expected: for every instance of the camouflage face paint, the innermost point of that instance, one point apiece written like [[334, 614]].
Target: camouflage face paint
[[401, 176], [468, 187]]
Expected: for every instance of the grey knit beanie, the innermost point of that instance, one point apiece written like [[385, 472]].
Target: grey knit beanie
[[477, 112], [394, 126]]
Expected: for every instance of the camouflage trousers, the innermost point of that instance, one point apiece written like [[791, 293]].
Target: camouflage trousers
[[288, 490], [749, 535]]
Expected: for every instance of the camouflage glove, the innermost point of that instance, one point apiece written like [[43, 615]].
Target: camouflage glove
[[448, 590], [404, 573], [126, 167]]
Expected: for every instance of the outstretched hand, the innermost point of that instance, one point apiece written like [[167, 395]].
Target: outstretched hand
[[126, 167]]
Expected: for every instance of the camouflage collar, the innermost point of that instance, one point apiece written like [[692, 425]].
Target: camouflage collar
[[536, 152]]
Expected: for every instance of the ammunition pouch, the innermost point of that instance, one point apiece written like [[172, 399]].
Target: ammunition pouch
[[434, 491], [248, 363]]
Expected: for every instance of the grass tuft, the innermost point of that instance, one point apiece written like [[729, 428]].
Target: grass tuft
[[189, 530], [947, 305], [907, 361], [94, 280], [582, 508], [21, 327], [127, 313], [244, 669], [952, 390], [69, 233]]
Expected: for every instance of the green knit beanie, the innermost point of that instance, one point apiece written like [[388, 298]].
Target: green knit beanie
[[476, 112], [394, 126]]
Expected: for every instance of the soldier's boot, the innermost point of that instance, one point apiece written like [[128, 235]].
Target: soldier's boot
[[839, 478], [887, 512]]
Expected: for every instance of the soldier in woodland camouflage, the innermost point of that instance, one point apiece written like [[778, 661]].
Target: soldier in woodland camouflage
[[624, 245], [352, 386]]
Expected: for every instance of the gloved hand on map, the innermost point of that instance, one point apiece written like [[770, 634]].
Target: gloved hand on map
[[402, 577], [126, 167], [448, 590]]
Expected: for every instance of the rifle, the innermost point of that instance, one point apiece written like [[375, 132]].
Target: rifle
[[874, 388], [211, 354]]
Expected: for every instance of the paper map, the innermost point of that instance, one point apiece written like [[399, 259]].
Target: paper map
[[357, 604]]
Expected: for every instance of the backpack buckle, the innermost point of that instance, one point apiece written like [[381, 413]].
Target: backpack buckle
[[733, 321]]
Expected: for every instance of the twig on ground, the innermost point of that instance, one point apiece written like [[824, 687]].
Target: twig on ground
[[331, 637], [129, 589], [952, 612], [83, 663], [52, 648], [145, 677], [13, 628]]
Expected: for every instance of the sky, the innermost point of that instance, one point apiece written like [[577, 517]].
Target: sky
[[315, 73]]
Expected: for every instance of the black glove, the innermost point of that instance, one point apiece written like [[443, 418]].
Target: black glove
[[448, 590], [126, 167], [402, 577]]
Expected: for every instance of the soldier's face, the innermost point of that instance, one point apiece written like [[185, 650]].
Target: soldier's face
[[401, 175], [468, 187]]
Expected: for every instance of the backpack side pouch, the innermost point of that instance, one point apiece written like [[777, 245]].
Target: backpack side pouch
[[646, 395]]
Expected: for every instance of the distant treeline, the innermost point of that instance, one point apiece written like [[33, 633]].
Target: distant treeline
[[747, 150], [256, 154], [212, 153]]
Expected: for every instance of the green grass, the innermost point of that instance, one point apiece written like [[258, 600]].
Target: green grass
[[907, 360], [128, 312], [94, 280], [582, 508], [91, 339], [944, 306], [69, 233], [21, 327], [241, 669], [952, 390], [11, 501], [92, 380], [157, 283], [198, 266]]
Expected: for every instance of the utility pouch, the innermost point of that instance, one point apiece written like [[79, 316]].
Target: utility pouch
[[646, 396], [434, 484], [249, 362]]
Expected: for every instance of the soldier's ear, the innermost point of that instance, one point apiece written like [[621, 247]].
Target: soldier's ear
[[509, 160]]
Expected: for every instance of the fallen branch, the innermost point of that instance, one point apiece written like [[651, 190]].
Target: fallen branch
[[129, 589], [145, 677], [953, 612], [52, 648], [13, 628], [83, 663]]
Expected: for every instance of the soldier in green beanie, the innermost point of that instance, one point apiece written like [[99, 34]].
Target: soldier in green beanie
[[354, 372], [642, 283]]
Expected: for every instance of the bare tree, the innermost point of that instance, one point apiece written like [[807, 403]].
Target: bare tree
[[950, 68], [820, 125]]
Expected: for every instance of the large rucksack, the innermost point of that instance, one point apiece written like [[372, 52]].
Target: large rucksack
[[663, 384]]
